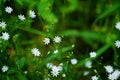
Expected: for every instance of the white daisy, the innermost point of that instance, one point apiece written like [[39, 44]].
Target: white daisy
[[49, 65], [117, 43], [73, 61], [56, 70], [93, 54], [88, 64], [117, 26], [21, 17], [5, 36], [46, 41], [55, 51], [32, 14], [57, 39], [3, 25], [8, 9], [94, 78], [109, 68], [36, 52], [4, 68], [114, 76]]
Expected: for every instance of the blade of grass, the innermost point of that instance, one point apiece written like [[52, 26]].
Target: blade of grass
[[99, 52]]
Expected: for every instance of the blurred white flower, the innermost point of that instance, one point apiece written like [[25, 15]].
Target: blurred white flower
[[3, 25], [93, 54], [117, 43], [63, 75], [21, 17], [55, 51], [117, 26], [88, 64], [5, 36], [46, 41], [109, 68], [114, 76], [8, 9], [49, 65], [57, 39], [85, 73], [56, 70], [36, 52], [4, 68], [94, 78], [74, 61], [32, 14]]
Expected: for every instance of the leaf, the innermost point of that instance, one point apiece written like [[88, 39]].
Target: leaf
[[108, 11], [20, 63], [31, 30], [44, 10]]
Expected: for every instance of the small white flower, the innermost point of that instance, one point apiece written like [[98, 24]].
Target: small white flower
[[3, 25], [117, 43], [109, 68], [21, 17], [56, 70], [4, 68], [85, 73], [93, 54], [32, 14], [74, 61], [36, 52], [5, 36], [49, 65], [88, 64], [55, 51], [114, 76], [57, 39], [117, 26], [8, 9], [63, 75], [46, 41], [94, 78]]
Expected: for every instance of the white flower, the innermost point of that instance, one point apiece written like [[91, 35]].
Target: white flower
[[88, 64], [63, 75], [114, 76], [32, 14], [55, 51], [117, 26], [36, 52], [4, 68], [56, 70], [49, 65], [3, 25], [74, 61], [85, 73], [93, 54], [8, 9], [46, 41], [117, 43], [109, 68], [57, 39], [5, 36], [94, 78], [21, 17]]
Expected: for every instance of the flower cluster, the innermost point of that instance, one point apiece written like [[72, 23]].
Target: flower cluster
[[55, 70]]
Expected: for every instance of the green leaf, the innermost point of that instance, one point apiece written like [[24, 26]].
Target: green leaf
[[44, 10], [109, 11], [20, 63], [31, 30]]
